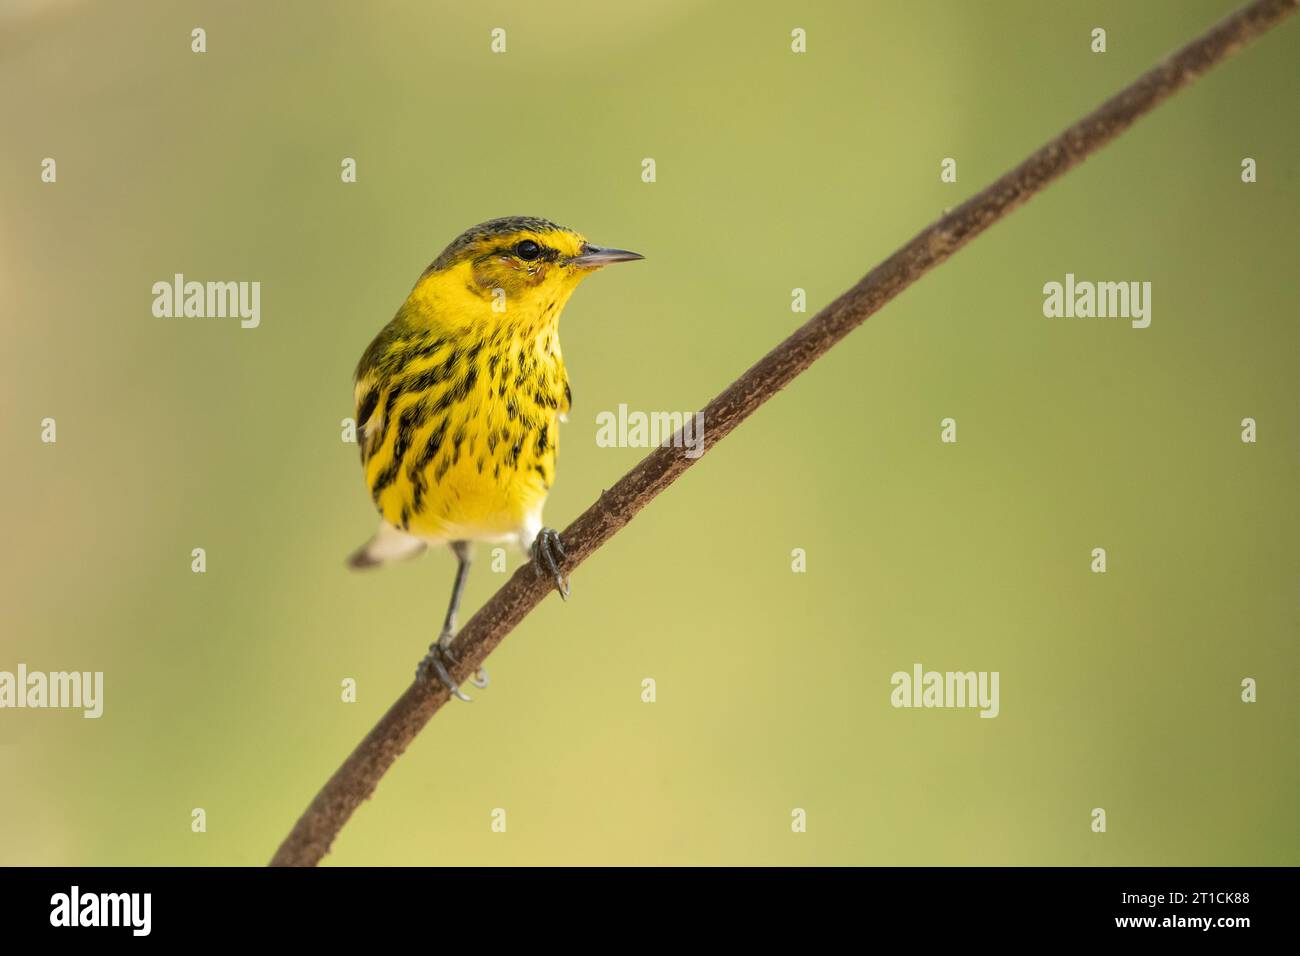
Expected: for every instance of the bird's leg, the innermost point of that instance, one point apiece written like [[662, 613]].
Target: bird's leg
[[441, 648], [548, 555]]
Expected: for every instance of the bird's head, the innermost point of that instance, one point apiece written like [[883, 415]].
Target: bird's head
[[518, 267]]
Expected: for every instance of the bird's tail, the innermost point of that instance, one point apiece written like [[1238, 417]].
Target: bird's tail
[[388, 544]]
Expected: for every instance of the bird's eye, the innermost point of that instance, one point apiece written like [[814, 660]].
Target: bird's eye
[[528, 250]]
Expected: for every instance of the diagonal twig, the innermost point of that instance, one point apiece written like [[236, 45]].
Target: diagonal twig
[[357, 778]]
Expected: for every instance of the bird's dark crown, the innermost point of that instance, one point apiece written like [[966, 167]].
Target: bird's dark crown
[[476, 237]]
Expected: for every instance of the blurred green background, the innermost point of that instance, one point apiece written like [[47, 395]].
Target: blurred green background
[[775, 171]]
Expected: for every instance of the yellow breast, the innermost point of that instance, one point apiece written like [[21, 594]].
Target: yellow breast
[[459, 432]]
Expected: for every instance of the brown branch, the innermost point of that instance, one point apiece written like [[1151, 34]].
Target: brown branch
[[357, 778]]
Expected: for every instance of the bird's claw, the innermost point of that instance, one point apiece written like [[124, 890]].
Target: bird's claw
[[548, 555], [434, 661]]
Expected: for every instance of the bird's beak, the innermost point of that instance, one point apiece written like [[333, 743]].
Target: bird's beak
[[593, 257]]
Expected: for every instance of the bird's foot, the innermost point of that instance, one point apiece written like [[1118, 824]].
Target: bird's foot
[[438, 658], [548, 555]]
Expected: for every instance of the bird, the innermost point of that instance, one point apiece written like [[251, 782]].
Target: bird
[[459, 400]]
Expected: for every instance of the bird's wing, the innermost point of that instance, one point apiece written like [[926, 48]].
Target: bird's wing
[[369, 415], [567, 402]]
